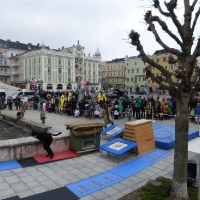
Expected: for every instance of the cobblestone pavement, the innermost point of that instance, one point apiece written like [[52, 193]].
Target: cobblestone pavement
[[33, 180]]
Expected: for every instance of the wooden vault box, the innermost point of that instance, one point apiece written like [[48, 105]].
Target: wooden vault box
[[141, 132]]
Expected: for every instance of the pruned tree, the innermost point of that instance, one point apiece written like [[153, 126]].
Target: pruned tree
[[188, 74]]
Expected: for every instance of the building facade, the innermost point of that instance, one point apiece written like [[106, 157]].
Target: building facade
[[4, 62], [134, 74], [162, 57], [115, 74], [62, 69]]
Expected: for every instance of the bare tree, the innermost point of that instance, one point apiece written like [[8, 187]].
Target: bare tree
[[186, 88]]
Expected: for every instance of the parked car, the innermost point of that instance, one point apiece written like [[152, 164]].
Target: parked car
[[141, 92]]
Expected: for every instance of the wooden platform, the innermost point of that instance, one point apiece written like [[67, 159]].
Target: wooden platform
[[141, 132]]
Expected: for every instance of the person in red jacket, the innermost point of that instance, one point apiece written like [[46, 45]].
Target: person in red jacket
[[46, 140]]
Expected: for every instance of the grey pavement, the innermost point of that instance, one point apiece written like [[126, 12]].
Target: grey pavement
[[37, 179]]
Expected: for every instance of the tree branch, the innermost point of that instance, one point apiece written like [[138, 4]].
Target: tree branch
[[195, 20], [196, 52], [157, 5], [193, 5], [165, 28], [148, 18], [170, 7], [134, 36]]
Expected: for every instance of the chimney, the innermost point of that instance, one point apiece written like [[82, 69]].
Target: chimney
[[17, 42], [29, 44], [63, 47], [89, 54], [38, 45], [8, 40]]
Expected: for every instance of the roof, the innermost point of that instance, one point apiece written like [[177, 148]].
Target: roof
[[18, 45], [117, 60], [160, 51]]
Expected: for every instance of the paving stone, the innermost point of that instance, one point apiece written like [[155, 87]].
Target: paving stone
[[99, 195], [92, 173], [30, 169], [24, 194], [62, 182], [82, 176], [27, 179], [49, 172], [89, 197], [4, 186], [6, 173], [75, 171], [55, 177], [33, 184], [19, 187], [126, 191], [42, 178], [39, 189], [110, 191], [22, 174], [127, 182], [119, 186], [36, 173], [77, 166], [115, 196], [49, 184], [62, 172], [12, 179], [18, 170], [7, 193], [43, 169], [2, 179]]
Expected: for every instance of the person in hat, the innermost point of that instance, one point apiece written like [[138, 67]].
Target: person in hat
[[46, 140]]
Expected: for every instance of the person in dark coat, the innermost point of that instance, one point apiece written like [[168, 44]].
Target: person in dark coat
[[46, 140]]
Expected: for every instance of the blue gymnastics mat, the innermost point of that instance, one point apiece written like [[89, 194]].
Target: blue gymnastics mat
[[134, 166], [108, 129], [9, 165], [165, 135], [94, 183]]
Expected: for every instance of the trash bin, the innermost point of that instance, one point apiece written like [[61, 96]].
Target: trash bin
[[191, 172], [85, 136]]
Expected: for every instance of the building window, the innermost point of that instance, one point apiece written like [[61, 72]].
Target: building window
[[122, 73], [38, 70], [128, 70], [172, 66], [69, 71], [49, 86], [165, 67], [132, 70], [127, 79], [126, 64], [59, 79], [157, 60], [135, 63], [34, 61], [139, 79], [94, 65], [39, 60], [69, 63], [29, 70], [59, 70], [93, 80], [25, 71], [49, 61], [34, 70], [49, 79], [69, 79], [135, 79], [122, 66], [59, 61], [144, 79], [137, 70], [29, 61], [11, 54], [84, 64], [131, 79], [49, 70], [164, 59]]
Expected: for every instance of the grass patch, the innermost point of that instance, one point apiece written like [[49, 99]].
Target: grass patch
[[157, 190]]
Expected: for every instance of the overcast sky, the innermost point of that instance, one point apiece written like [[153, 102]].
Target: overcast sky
[[62, 23]]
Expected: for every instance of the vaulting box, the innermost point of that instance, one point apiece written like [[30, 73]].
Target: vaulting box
[[141, 132]]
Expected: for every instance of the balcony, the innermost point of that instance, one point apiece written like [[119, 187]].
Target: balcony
[[2, 64], [14, 73], [14, 65], [5, 75]]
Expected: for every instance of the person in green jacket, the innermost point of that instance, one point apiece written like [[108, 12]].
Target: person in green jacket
[[138, 105]]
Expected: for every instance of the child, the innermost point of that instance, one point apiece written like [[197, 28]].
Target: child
[[76, 113], [129, 112], [192, 115], [43, 116], [116, 112]]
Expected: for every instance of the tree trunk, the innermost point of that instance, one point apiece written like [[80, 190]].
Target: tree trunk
[[179, 185]]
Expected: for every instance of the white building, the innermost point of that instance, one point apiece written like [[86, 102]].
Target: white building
[[62, 69]]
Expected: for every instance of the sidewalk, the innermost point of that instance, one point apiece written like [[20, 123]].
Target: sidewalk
[[37, 179]]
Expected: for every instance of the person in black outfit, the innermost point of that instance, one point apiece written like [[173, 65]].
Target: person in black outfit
[[46, 140]]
